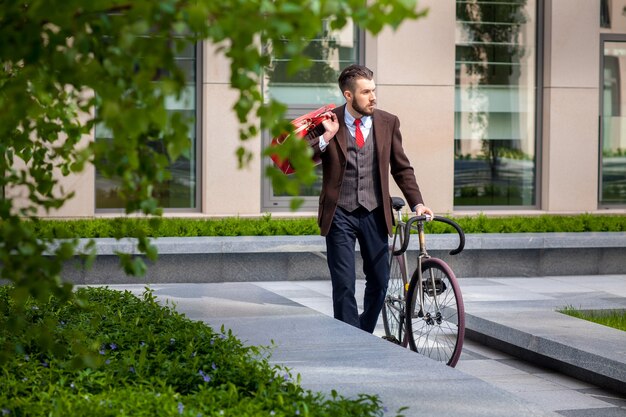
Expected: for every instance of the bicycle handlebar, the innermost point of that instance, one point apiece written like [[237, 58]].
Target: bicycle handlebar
[[409, 225]]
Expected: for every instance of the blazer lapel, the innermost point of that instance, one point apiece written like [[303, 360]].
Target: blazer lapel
[[342, 135], [381, 130]]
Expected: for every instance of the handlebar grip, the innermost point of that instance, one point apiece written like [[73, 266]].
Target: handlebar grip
[[458, 230], [409, 224]]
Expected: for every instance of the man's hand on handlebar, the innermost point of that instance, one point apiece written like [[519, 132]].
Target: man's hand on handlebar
[[422, 210]]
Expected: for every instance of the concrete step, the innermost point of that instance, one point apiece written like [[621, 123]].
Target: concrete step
[[282, 258]]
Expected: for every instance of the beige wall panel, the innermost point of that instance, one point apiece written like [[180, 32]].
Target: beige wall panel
[[83, 204], [570, 150], [216, 68], [82, 184], [226, 190], [427, 127], [572, 43], [419, 52]]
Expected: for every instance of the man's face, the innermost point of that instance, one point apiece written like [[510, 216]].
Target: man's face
[[363, 99]]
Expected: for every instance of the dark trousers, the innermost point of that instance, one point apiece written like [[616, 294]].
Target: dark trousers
[[370, 230]]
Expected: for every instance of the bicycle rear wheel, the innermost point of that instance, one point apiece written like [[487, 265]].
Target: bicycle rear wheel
[[436, 318], [395, 301]]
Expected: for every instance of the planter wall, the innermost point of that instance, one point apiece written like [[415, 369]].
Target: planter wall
[[284, 258]]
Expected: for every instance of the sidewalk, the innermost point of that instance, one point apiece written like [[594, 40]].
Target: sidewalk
[[331, 355]]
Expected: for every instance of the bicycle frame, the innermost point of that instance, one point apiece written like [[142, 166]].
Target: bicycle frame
[[435, 328], [398, 238], [402, 230], [398, 241]]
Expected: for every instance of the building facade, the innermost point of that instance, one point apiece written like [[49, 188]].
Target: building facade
[[505, 107]]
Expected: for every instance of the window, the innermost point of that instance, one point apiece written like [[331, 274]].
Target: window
[[308, 90], [613, 122], [495, 104], [605, 14], [181, 191]]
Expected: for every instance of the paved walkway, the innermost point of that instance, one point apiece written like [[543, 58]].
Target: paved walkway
[[328, 354]]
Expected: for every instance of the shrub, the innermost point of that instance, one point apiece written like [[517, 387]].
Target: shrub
[[268, 226], [146, 360]]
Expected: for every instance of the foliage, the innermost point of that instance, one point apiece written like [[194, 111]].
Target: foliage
[[534, 224], [611, 153], [269, 226], [611, 318], [149, 360], [177, 227], [68, 66]]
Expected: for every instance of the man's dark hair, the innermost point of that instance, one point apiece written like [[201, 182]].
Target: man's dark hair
[[350, 74]]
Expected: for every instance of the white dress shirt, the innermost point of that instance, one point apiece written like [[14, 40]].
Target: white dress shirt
[[366, 126]]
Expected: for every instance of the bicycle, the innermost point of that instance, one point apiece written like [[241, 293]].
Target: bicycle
[[432, 322]]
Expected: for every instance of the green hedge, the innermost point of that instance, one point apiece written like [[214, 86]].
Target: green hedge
[[268, 226], [146, 360], [176, 227], [536, 224]]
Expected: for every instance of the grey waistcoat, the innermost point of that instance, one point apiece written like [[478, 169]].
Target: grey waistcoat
[[361, 182]]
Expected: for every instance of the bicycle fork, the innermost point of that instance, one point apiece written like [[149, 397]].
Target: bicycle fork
[[423, 285]]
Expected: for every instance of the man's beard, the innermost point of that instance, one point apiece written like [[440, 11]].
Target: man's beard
[[362, 110]]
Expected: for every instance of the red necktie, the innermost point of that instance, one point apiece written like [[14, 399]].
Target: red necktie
[[358, 134]]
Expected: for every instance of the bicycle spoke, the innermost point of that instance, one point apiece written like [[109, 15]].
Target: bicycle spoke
[[438, 332], [395, 305]]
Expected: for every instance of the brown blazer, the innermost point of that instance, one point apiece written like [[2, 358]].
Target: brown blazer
[[391, 158]]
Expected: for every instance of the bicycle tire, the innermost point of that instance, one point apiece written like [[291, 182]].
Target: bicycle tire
[[438, 337], [395, 300]]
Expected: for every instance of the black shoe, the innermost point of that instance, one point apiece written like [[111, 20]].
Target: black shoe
[[391, 339]]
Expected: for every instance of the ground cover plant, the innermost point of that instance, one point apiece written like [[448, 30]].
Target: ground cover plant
[[611, 318], [270, 226], [139, 358]]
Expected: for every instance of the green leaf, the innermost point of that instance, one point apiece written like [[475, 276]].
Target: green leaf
[[113, 63]]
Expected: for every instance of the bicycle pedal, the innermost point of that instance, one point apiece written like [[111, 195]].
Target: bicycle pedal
[[439, 287]]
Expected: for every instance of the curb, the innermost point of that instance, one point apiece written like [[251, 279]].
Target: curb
[[584, 350], [293, 258]]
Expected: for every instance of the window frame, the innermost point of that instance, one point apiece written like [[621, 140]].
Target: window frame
[[538, 128], [199, 131], [278, 204], [604, 37]]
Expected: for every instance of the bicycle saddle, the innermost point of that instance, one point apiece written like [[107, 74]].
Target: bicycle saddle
[[397, 203]]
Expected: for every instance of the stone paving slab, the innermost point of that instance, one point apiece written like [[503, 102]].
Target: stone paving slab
[[329, 354], [518, 316]]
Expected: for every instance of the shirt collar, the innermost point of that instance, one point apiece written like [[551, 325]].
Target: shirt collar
[[366, 121]]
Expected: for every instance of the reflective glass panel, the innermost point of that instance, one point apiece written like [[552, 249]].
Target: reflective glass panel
[[613, 136], [180, 190], [495, 103], [330, 52]]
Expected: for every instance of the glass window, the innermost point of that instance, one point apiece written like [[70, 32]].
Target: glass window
[[495, 103], [181, 190], [613, 126], [330, 53], [605, 14]]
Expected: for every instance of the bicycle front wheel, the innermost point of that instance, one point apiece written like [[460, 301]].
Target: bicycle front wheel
[[395, 301], [436, 315]]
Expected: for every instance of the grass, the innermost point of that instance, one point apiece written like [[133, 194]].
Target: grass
[[611, 318], [139, 358]]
